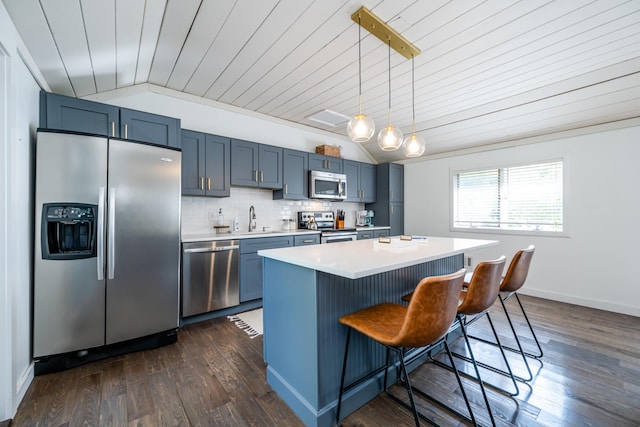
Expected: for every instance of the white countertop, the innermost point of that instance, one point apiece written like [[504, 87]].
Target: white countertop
[[207, 236], [361, 258], [212, 235]]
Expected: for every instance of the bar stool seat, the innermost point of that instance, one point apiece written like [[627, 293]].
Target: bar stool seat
[[422, 324]]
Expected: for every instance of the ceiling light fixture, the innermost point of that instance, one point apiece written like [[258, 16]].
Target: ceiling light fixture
[[361, 127], [390, 138], [413, 145]]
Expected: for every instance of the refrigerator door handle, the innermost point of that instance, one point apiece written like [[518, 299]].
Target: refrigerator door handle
[[100, 232], [111, 239]]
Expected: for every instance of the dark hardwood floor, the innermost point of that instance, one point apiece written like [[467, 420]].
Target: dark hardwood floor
[[215, 376]]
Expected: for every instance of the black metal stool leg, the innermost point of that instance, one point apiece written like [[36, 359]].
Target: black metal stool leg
[[515, 335], [403, 372], [464, 393], [475, 367], [535, 338], [344, 369]]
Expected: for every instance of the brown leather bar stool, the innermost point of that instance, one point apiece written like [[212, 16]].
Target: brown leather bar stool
[[422, 324], [475, 300], [512, 282]]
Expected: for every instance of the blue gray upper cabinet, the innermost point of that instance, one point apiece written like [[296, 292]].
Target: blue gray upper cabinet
[[80, 115], [295, 175], [206, 164], [147, 127], [361, 181], [255, 165], [389, 204], [320, 162]]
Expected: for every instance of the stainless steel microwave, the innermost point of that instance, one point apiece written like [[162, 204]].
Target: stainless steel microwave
[[327, 185]]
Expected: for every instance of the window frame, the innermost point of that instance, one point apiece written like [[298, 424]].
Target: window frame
[[499, 231]]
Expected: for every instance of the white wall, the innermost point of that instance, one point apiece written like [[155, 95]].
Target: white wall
[[18, 121], [595, 265]]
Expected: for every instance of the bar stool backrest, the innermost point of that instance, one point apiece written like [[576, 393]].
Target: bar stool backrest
[[483, 288], [518, 270], [431, 311]]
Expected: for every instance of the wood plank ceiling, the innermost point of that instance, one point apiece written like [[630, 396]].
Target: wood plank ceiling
[[489, 71]]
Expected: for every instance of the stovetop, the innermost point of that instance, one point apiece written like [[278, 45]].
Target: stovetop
[[325, 221]]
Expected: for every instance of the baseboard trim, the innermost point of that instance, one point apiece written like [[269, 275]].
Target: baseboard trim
[[586, 302]]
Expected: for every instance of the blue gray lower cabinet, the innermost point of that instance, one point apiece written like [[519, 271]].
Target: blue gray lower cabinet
[[304, 342]]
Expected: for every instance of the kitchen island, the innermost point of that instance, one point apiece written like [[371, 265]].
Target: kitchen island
[[306, 290]]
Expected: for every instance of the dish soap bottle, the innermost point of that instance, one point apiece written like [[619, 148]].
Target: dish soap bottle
[[220, 217]]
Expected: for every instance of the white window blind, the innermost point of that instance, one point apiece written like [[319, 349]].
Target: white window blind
[[515, 198]]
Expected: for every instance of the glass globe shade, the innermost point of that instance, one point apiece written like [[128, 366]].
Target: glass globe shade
[[390, 138], [361, 128], [414, 146]]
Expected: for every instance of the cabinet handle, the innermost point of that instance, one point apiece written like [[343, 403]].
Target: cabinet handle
[[256, 175], [391, 208], [261, 176], [286, 189], [202, 182], [113, 129], [126, 131], [208, 183], [308, 241], [329, 164]]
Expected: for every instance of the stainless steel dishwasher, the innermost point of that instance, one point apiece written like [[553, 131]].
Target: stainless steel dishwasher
[[210, 276]]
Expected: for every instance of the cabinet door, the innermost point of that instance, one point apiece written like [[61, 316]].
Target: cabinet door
[[352, 170], [320, 162], [193, 163], [244, 163], [363, 235], [217, 166], [396, 182], [367, 182], [147, 127], [78, 115], [250, 277], [313, 239], [381, 233], [295, 175], [396, 218], [270, 161]]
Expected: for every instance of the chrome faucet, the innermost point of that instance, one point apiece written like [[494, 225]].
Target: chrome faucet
[[252, 218]]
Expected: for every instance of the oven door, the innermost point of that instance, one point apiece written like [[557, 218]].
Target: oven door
[[338, 237]]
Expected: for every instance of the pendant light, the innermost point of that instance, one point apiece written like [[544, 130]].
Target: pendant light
[[390, 138], [413, 145], [360, 128]]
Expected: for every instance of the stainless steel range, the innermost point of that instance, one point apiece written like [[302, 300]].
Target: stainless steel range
[[325, 222]]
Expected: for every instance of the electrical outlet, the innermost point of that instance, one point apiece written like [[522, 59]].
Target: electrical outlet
[[468, 261], [212, 216]]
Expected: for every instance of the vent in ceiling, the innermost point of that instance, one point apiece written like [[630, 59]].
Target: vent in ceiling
[[330, 118]]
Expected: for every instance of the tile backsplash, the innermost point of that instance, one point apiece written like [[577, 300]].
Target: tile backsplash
[[200, 214]]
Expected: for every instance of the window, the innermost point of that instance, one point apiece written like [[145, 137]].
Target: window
[[520, 198]]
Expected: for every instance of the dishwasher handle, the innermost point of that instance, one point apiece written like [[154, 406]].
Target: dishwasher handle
[[210, 249]]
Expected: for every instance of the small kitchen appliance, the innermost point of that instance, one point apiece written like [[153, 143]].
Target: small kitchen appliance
[[364, 219]]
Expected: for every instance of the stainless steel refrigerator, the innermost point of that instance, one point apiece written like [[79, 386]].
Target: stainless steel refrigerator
[[107, 242]]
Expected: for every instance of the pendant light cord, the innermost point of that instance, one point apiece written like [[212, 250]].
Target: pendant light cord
[[413, 97], [389, 81], [359, 67]]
